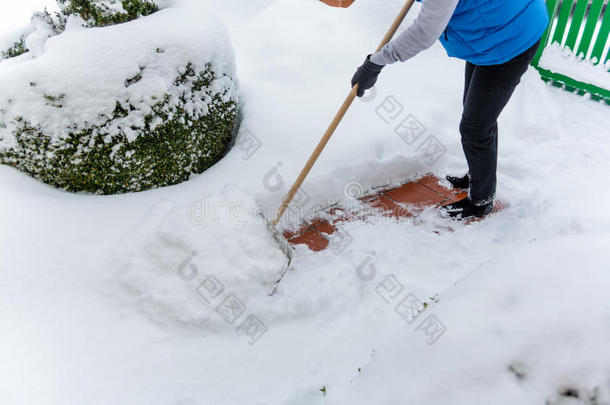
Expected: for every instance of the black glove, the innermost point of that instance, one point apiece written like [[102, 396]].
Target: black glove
[[366, 76]]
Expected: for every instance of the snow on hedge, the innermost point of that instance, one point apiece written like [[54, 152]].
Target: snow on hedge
[[99, 13], [121, 108], [93, 13]]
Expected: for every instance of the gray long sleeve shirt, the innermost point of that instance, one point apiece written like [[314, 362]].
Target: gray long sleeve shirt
[[421, 35]]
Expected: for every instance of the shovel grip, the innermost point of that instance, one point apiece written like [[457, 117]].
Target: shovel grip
[[338, 117]]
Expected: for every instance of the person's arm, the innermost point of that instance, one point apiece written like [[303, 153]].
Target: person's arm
[[421, 35]]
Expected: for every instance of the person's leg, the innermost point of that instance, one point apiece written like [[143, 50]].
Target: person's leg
[[467, 79], [490, 89], [463, 182]]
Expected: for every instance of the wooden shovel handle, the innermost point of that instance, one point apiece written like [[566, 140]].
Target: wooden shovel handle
[[335, 123]]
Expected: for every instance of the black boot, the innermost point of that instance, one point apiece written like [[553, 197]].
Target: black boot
[[459, 182], [465, 209]]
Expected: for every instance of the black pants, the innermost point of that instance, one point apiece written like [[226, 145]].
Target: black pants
[[486, 93]]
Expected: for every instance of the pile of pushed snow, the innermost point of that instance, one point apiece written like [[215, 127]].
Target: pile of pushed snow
[[121, 108], [189, 265], [181, 263], [562, 60]]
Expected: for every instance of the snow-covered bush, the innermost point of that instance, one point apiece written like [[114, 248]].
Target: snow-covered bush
[[18, 48], [41, 22], [94, 13], [121, 108], [99, 13]]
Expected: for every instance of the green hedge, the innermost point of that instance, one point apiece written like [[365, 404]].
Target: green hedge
[[94, 161], [96, 13], [18, 48]]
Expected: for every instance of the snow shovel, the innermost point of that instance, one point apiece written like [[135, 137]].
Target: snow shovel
[[277, 235]]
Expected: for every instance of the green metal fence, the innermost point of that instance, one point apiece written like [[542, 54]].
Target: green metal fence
[[583, 27]]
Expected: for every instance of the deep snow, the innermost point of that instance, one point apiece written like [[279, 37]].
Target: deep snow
[[101, 305]]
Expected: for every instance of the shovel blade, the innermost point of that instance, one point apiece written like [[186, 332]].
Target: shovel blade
[[285, 247]]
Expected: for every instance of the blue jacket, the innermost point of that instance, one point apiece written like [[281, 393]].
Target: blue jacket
[[491, 32]]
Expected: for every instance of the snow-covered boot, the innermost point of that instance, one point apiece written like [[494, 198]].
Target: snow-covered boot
[[463, 209], [459, 182]]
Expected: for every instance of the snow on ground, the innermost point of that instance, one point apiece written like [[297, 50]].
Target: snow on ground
[[113, 299], [522, 322]]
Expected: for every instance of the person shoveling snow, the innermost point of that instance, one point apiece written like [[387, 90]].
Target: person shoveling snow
[[498, 40]]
